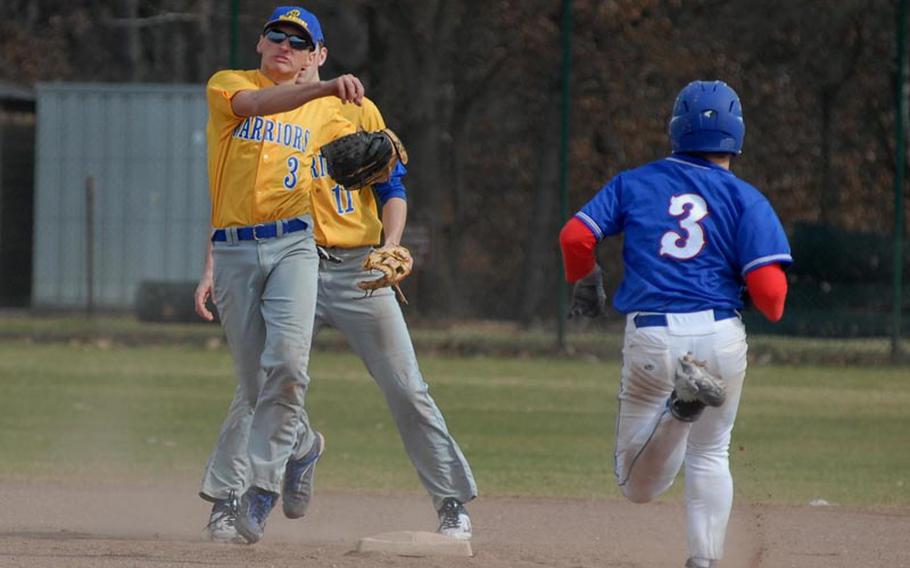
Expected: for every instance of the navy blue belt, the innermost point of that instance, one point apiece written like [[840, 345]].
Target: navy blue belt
[[660, 320], [259, 232]]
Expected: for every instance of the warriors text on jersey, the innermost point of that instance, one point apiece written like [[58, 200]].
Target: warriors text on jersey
[[259, 166], [707, 232], [350, 219]]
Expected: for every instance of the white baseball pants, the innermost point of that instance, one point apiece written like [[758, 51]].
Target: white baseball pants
[[651, 445]]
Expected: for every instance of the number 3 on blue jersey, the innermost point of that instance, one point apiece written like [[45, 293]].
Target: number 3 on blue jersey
[[690, 209], [290, 180]]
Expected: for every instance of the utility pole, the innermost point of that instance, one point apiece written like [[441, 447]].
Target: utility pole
[[900, 160], [566, 104]]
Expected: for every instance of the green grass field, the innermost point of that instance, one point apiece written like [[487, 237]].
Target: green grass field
[[535, 426]]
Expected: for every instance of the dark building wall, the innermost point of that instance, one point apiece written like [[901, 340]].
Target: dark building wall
[[17, 170]]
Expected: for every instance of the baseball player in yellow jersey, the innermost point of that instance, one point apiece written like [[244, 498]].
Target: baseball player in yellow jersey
[[262, 268], [347, 225]]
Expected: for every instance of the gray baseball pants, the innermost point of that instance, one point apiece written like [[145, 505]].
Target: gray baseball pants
[[376, 330], [265, 292]]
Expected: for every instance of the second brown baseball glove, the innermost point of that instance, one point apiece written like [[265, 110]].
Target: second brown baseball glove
[[394, 262]]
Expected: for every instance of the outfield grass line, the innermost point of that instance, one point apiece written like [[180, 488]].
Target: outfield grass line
[[602, 341]]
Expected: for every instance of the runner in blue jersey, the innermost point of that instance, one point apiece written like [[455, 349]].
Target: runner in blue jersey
[[694, 236]]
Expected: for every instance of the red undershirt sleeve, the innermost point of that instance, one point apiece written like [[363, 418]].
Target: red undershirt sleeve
[[578, 243], [768, 289]]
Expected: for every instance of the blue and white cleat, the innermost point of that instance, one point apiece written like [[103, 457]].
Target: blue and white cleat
[[255, 506], [299, 474]]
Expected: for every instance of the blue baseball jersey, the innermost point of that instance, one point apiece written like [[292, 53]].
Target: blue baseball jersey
[[692, 231]]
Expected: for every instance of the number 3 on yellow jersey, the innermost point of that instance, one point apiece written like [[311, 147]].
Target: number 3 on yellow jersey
[[290, 180]]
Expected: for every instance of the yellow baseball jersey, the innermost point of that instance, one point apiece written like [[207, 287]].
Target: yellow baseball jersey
[[259, 166], [343, 218]]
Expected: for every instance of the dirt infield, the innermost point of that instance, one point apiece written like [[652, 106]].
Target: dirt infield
[[51, 526]]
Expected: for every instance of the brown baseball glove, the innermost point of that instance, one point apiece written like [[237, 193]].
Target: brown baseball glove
[[394, 262], [361, 159]]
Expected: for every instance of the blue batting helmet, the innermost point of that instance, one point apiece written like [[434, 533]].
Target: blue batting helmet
[[707, 117]]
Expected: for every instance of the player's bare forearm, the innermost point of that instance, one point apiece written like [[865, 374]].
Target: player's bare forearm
[[205, 285], [282, 98], [394, 217], [208, 267]]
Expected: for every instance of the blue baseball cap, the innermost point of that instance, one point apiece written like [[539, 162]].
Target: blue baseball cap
[[303, 19]]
